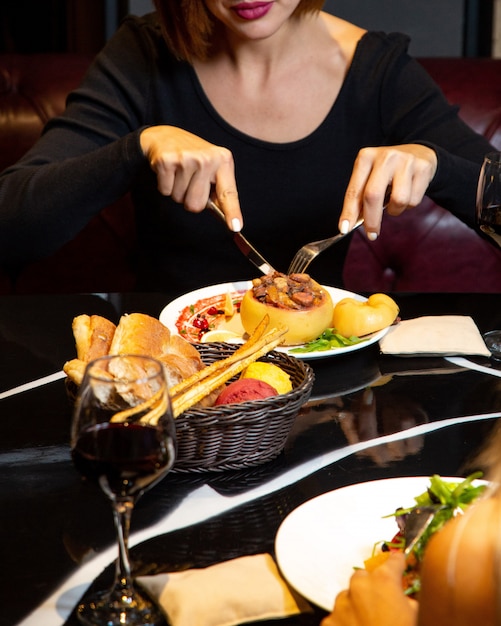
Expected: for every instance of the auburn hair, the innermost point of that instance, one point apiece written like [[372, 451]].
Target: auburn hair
[[187, 25]]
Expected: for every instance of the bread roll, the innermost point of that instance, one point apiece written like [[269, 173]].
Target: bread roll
[[74, 370], [136, 333], [93, 336]]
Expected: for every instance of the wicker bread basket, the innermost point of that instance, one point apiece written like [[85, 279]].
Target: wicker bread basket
[[237, 436]]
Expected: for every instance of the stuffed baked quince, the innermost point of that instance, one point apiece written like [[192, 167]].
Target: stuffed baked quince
[[354, 318], [295, 301]]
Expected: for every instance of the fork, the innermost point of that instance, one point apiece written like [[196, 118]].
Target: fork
[[305, 255], [416, 525]]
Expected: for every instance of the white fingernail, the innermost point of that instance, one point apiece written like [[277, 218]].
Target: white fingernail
[[345, 227], [236, 225], [372, 236]]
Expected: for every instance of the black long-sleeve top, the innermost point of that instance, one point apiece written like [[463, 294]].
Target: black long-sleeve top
[[290, 193]]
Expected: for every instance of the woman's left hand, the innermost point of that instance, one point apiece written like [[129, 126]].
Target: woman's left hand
[[407, 169], [375, 598]]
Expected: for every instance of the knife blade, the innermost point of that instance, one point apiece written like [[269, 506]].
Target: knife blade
[[243, 244]]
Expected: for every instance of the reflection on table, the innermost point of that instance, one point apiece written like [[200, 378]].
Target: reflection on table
[[369, 417]]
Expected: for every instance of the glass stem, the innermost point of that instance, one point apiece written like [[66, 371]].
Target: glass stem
[[122, 511]]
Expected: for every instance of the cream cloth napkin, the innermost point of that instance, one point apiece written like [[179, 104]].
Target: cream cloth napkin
[[441, 335], [245, 589]]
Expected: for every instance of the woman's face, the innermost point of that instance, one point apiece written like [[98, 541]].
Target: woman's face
[[252, 19]]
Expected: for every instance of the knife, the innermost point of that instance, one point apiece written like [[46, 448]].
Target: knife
[[243, 244]]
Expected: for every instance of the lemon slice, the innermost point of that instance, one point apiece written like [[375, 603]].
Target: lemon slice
[[229, 307], [221, 335]]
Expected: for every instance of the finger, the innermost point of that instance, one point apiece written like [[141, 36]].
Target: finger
[[342, 614], [359, 575], [424, 171], [166, 174], [413, 168], [196, 194], [372, 207], [365, 193], [192, 182], [393, 567], [175, 173], [352, 205], [228, 198], [227, 193], [401, 189]]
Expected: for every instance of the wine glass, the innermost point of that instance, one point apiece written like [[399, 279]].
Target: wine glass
[[489, 197], [123, 439], [489, 221]]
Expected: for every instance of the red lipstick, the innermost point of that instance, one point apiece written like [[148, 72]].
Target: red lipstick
[[252, 10]]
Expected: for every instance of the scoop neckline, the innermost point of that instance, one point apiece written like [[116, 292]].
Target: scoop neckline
[[271, 145]]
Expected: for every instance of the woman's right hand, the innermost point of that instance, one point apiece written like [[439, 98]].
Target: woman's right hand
[[188, 168]]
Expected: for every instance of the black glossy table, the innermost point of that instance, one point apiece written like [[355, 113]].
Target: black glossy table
[[51, 523]]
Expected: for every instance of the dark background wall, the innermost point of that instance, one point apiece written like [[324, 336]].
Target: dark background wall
[[436, 27], [28, 26]]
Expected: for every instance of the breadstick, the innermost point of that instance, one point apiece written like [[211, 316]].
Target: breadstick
[[256, 336], [184, 396], [227, 368], [153, 415]]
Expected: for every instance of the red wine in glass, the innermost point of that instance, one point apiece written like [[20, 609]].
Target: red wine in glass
[[123, 439], [127, 458]]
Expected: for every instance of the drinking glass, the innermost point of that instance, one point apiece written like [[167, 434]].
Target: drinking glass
[[489, 197], [489, 221], [123, 439]]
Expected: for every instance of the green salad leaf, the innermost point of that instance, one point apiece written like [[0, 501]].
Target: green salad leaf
[[452, 498], [328, 340]]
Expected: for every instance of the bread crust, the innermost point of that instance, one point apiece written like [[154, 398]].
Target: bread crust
[[191, 382], [93, 336], [136, 333], [74, 370]]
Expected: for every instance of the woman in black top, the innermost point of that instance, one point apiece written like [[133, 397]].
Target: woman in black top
[[294, 120]]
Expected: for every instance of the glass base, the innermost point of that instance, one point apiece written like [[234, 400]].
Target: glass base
[[493, 342], [113, 609]]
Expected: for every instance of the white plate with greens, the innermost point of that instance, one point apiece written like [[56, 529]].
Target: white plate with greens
[[319, 544], [180, 314]]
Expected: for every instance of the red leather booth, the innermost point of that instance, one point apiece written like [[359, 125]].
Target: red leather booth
[[33, 88], [426, 249]]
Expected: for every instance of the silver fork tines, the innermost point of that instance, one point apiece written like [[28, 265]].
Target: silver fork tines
[[305, 255]]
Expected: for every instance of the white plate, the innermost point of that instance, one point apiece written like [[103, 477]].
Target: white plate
[[171, 313], [319, 543]]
